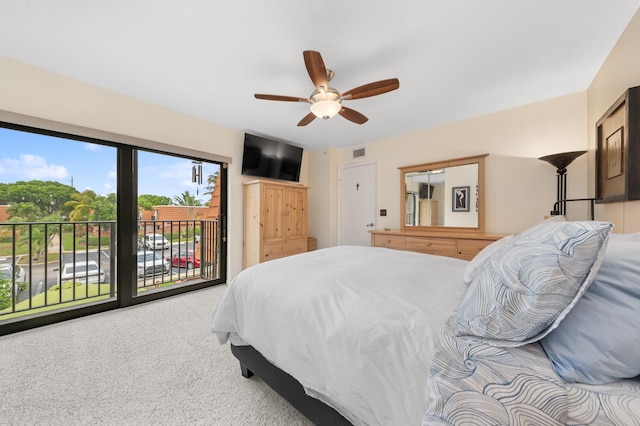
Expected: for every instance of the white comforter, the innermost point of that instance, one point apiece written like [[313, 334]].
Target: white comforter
[[354, 325]]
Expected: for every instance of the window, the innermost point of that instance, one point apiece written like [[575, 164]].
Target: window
[[73, 210]]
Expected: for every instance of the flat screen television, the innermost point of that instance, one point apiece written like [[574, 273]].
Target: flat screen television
[[263, 157]]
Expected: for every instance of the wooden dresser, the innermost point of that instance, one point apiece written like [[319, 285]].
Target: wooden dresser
[[461, 245], [275, 220]]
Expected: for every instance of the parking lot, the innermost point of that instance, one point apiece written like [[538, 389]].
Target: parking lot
[[49, 273]]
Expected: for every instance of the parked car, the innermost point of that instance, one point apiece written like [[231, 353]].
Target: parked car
[[184, 259], [88, 272], [155, 242], [149, 263], [8, 273]]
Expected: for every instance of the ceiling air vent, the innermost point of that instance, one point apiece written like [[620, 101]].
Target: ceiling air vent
[[358, 153]]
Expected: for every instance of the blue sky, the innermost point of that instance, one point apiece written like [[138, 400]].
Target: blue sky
[[28, 156]]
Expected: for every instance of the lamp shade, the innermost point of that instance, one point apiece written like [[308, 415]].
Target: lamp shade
[[325, 103], [562, 160]]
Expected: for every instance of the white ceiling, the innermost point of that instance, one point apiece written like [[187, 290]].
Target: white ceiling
[[455, 59]]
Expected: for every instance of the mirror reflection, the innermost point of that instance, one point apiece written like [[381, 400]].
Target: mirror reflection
[[446, 196]]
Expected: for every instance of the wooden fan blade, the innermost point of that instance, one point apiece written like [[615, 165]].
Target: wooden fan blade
[[372, 89], [353, 115], [307, 119], [316, 69], [280, 98]]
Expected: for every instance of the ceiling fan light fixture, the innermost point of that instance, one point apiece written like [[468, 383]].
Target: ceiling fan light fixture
[[326, 109], [325, 104]]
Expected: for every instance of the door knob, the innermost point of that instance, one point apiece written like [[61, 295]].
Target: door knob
[[369, 225]]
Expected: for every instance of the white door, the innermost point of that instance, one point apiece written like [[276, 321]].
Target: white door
[[357, 204]]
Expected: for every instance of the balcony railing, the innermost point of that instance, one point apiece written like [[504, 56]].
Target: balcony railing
[[46, 266]]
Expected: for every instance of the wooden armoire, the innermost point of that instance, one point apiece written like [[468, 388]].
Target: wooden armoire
[[275, 220]]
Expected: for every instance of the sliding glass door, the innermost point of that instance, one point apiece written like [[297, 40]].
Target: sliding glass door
[[89, 225]]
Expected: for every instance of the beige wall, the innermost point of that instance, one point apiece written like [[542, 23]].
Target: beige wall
[[620, 71], [520, 189], [323, 196]]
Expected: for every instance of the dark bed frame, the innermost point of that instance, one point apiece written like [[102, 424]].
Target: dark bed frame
[[252, 362]]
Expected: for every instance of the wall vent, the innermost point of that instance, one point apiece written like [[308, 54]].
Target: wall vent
[[358, 153]]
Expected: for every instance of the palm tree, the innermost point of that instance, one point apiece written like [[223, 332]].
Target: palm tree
[[211, 180], [81, 204], [39, 235], [52, 231], [186, 199], [24, 212]]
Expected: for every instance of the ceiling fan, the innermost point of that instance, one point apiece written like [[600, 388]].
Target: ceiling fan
[[326, 101]]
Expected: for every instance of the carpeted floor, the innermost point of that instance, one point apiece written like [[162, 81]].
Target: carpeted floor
[[153, 364]]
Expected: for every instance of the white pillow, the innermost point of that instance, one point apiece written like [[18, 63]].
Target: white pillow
[[526, 288]]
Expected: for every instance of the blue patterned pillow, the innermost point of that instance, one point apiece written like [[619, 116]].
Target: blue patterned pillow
[[526, 288], [478, 262]]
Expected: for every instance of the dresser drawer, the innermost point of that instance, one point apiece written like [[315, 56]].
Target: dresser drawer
[[438, 246], [468, 249], [389, 241], [278, 250], [451, 244]]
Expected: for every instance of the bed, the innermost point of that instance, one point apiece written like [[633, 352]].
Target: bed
[[374, 336]]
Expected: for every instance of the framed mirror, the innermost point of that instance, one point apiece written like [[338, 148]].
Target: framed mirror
[[445, 195]]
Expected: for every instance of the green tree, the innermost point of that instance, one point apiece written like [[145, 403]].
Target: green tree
[[4, 198], [186, 199], [147, 201], [104, 208], [49, 196], [212, 180], [81, 205], [24, 212], [38, 235], [5, 293]]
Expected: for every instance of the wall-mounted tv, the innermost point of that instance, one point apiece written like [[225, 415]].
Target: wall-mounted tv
[[263, 157]]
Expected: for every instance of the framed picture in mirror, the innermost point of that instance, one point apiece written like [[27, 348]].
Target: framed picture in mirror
[[460, 198]]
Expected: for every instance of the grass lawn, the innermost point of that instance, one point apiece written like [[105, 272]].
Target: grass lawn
[[6, 249], [86, 293]]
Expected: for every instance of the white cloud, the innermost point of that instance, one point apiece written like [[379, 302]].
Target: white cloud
[[108, 188], [179, 173], [180, 170], [92, 147], [32, 167]]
